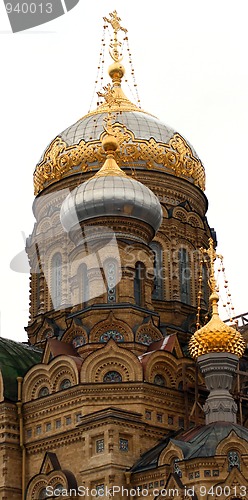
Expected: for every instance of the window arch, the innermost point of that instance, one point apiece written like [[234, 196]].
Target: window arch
[[112, 377], [139, 276], [83, 284], [111, 277], [157, 293], [56, 280], [184, 275]]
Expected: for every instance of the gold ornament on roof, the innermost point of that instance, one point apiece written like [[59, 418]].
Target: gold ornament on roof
[[109, 95], [215, 336], [110, 145], [176, 157]]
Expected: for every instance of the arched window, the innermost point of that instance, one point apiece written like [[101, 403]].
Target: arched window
[[157, 293], [111, 377], [111, 277], [139, 283], [56, 280], [83, 284], [159, 380], [44, 391], [184, 275], [65, 384]]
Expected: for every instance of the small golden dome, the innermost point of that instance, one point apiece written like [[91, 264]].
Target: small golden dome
[[109, 143], [116, 71], [216, 336]]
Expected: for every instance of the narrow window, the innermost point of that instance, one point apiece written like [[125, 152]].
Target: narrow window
[[123, 444], [99, 445], [83, 284], [157, 293], [139, 283], [58, 424], [184, 274], [111, 276], [56, 280], [233, 460]]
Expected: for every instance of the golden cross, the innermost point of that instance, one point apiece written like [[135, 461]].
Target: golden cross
[[212, 257], [115, 23]]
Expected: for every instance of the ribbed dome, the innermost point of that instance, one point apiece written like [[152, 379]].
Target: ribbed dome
[[111, 195]]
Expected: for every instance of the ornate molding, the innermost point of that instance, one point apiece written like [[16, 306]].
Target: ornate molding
[[61, 160]]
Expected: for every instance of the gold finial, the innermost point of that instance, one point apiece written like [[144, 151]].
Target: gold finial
[[110, 145], [116, 70], [212, 257], [115, 23]]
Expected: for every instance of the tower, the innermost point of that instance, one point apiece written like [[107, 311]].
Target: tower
[[114, 255]]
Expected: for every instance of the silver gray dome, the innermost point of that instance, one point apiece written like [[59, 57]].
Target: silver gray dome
[[110, 196]]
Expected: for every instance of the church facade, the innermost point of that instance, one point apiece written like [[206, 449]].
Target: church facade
[[106, 397]]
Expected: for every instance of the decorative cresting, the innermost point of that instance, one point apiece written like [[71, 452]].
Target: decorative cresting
[[217, 348], [172, 155], [176, 157], [215, 336]]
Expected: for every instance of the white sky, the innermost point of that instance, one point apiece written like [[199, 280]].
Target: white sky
[[191, 66]]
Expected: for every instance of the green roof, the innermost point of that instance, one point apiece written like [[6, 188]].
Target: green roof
[[16, 359]]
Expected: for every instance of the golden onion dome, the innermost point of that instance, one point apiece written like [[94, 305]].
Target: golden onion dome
[[216, 336]]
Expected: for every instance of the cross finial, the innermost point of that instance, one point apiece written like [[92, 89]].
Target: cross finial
[[212, 257], [114, 21]]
